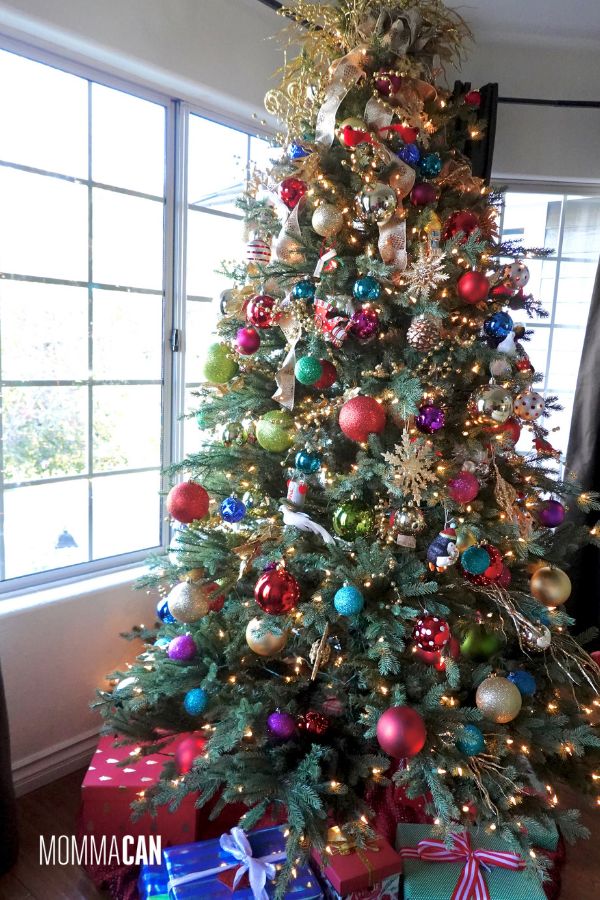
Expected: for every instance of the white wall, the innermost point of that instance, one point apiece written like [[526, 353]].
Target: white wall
[[217, 54]]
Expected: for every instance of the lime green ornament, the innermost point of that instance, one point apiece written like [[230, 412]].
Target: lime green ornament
[[275, 431], [352, 520], [219, 365], [479, 644], [308, 369]]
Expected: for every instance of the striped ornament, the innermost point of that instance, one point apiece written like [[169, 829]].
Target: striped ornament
[[258, 251]]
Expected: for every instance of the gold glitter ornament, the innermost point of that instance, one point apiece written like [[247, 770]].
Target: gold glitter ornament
[[498, 699], [424, 333], [263, 642], [327, 220], [188, 602]]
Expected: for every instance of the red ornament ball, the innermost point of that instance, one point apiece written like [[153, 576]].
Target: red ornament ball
[[189, 749], [328, 375], [473, 98], [387, 83], [401, 732], [360, 417], [502, 291], [464, 487], [507, 433], [596, 657], [523, 364], [431, 633], [505, 577], [276, 592], [423, 194], [313, 722], [216, 601], [472, 287], [247, 341], [494, 571], [463, 221], [437, 658], [259, 311], [291, 191], [187, 502]]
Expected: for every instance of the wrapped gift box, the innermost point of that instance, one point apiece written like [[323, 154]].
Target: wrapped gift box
[[153, 883], [212, 869], [544, 836], [437, 879], [108, 790], [372, 873]]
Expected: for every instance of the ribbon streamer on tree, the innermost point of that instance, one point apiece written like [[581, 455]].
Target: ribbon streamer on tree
[[347, 72], [399, 32], [285, 378]]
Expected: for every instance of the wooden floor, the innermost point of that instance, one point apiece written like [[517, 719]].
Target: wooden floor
[[53, 810]]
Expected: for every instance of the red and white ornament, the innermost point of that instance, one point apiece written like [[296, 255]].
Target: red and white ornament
[[297, 491], [258, 251], [516, 274], [529, 405], [334, 326], [431, 633], [259, 311]]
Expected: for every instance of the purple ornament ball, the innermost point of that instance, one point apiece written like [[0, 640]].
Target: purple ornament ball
[[247, 341], [182, 648], [281, 725], [551, 513], [364, 323], [423, 194], [430, 419]]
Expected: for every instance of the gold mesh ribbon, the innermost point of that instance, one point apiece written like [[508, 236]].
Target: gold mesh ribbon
[[343, 845], [347, 72]]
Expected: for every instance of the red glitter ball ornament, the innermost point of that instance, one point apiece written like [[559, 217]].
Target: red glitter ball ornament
[[328, 375], [464, 221], [259, 311], [187, 502], [472, 287], [187, 751], [464, 487], [401, 732], [277, 592], [431, 633], [291, 191], [313, 722], [473, 98], [216, 601], [360, 417], [494, 571]]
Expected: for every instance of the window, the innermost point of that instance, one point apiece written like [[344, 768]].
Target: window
[[91, 253], [569, 224]]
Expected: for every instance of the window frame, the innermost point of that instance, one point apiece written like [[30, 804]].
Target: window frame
[[173, 387]]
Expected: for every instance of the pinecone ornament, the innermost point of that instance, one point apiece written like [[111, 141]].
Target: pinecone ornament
[[424, 333]]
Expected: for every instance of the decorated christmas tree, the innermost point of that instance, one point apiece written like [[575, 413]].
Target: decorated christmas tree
[[366, 583]]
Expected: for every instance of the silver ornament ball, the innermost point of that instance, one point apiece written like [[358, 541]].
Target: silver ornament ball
[[376, 204], [492, 404]]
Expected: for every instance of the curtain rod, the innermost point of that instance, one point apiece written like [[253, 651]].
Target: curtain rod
[[524, 101]]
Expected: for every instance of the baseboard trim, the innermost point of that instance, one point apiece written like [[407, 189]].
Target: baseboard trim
[[47, 765]]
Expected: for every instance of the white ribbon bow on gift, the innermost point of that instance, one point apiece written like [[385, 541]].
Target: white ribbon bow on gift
[[259, 869]]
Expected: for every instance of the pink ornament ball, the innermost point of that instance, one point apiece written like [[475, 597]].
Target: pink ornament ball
[[551, 514], [401, 732], [189, 749], [464, 487], [364, 323], [360, 417], [247, 341], [182, 648], [423, 194]]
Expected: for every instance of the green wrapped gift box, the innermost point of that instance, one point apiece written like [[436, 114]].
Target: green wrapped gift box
[[436, 879], [544, 836]]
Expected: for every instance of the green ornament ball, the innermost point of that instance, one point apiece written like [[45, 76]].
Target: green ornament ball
[[234, 433], [275, 431], [352, 520], [479, 644], [308, 370], [219, 366]]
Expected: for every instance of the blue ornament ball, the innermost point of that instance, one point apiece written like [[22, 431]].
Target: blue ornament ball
[[195, 701], [297, 151], [498, 325], [232, 510], [304, 290], [524, 681], [163, 612], [348, 600], [366, 288], [410, 154], [475, 560], [470, 740], [307, 462], [431, 165]]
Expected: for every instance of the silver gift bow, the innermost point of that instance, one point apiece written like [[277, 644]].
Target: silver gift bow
[[401, 33]]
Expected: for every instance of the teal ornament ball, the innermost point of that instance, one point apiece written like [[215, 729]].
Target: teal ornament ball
[[367, 288], [195, 701], [475, 560], [430, 165], [308, 369], [307, 462], [470, 740], [348, 600], [304, 290], [352, 520]]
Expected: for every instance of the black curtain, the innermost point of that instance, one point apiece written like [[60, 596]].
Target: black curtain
[[481, 153], [8, 811], [583, 459]]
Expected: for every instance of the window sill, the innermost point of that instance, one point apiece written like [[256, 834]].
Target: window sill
[[58, 593]]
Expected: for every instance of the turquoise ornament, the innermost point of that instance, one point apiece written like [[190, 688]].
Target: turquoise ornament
[[524, 681], [475, 560], [348, 600], [308, 370], [470, 740], [195, 701], [430, 165], [307, 462], [304, 290], [366, 288]]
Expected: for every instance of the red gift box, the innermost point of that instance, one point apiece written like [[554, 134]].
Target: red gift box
[[358, 872], [108, 790]]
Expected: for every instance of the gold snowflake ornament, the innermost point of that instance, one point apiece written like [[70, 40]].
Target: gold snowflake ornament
[[410, 468], [426, 273]]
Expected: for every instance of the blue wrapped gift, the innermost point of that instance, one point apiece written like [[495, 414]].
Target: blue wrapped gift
[[153, 883], [196, 871]]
